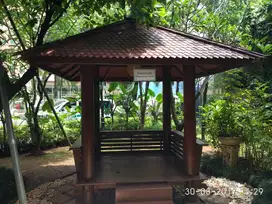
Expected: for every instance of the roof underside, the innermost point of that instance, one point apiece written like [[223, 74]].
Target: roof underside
[[118, 45]]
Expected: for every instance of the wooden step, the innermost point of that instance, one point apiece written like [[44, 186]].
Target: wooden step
[[144, 193]]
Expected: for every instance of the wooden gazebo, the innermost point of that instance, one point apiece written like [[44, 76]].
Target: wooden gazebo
[[133, 160]]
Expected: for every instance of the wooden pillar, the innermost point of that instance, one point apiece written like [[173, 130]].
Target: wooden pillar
[[189, 120], [166, 108], [97, 119], [88, 76]]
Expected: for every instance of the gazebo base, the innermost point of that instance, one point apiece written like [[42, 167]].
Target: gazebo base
[[115, 169], [140, 173]]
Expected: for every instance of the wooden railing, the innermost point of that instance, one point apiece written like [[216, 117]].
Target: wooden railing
[[178, 150], [176, 146], [131, 141]]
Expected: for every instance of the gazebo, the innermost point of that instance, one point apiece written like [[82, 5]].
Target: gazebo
[[141, 165]]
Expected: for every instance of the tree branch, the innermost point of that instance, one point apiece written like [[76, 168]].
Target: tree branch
[[13, 24], [41, 87], [60, 15]]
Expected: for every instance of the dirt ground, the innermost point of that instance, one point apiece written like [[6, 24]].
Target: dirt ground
[[54, 164]]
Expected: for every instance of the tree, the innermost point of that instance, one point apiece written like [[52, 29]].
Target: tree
[[127, 98], [37, 17], [144, 96], [155, 108]]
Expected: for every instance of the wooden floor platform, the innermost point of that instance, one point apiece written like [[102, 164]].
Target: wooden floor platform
[[116, 169]]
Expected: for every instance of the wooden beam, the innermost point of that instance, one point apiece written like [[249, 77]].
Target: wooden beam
[[203, 69], [179, 69], [166, 108], [64, 68], [106, 74], [73, 72], [76, 76], [189, 120]]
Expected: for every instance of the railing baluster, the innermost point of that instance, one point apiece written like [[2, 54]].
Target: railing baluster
[[128, 141]]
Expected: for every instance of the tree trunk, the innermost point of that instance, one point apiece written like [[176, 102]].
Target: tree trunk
[[112, 112], [178, 124], [60, 86], [55, 94], [112, 120], [204, 101], [102, 107], [143, 103], [5, 143], [127, 119], [177, 88], [37, 134]]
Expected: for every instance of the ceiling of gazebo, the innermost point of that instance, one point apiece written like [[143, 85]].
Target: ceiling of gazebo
[[117, 47]]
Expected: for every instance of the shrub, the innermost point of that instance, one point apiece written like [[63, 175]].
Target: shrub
[[52, 136], [253, 113], [7, 185], [212, 165]]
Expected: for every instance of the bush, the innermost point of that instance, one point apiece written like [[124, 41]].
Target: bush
[[22, 137], [52, 136], [253, 114], [133, 124], [212, 165], [7, 185]]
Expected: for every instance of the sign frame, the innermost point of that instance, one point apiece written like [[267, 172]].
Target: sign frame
[[144, 74]]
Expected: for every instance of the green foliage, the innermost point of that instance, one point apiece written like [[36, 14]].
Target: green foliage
[[46, 106], [113, 86], [53, 137], [223, 118], [7, 185], [155, 107], [133, 124], [258, 124], [145, 11], [249, 110]]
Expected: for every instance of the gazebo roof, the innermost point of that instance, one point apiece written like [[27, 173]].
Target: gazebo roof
[[117, 45]]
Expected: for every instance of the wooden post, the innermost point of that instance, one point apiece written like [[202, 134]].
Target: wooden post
[[189, 120], [166, 108], [88, 76], [97, 119]]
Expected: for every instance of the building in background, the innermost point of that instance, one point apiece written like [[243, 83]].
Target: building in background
[[58, 88]]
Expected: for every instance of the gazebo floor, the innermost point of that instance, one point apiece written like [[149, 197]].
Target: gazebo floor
[[135, 168]]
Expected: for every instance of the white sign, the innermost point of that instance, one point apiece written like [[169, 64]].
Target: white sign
[[144, 74]]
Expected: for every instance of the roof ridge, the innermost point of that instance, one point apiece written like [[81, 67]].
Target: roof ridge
[[207, 40]]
